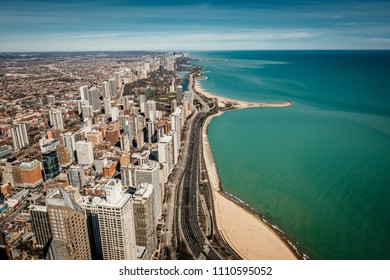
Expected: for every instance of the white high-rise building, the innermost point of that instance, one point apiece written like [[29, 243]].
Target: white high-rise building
[[87, 112], [84, 152], [116, 221], [107, 106], [145, 229], [84, 93], [175, 124], [175, 146], [112, 87], [114, 114], [165, 152], [127, 176], [150, 106], [149, 173], [142, 100], [93, 99], [106, 90], [56, 120], [70, 142], [19, 136]]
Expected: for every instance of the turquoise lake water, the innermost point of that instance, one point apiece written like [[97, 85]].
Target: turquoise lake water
[[319, 170]]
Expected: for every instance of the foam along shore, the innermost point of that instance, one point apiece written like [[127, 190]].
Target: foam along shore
[[246, 233]]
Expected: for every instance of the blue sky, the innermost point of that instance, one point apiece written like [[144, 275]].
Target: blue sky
[[49, 25]]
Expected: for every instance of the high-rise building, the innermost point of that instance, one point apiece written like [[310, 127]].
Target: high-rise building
[[150, 106], [40, 224], [31, 173], [87, 112], [165, 152], [116, 221], [94, 136], [51, 165], [149, 173], [70, 142], [84, 93], [112, 87], [50, 99], [55, 118], [107, 106], [93, 99], [145, 228], [64, 156], [84, 152], [142, 100], [68, 223], [127, 176], [90, 206], [106, 90], [175, 124], [76, 176], [19, 136]]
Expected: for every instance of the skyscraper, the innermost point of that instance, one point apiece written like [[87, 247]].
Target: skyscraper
[[116, 222], [19, 136], [149, 173], [106, 90], [68, 223], [51, 165], [64, 156], [40, 224], [76, 176], [145, 228], [70, 142], [84, 92], [93, 99], [112, 87], [55, 118], [84, 152], [165, 152]]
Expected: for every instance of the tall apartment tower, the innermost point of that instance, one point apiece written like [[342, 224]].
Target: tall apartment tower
[[165, 152], [150, 106], [149, 173], [116, 220], [55, 118], [70, 142], [142, 100], [106, 90], [93, 99], [84, 93], [112, 87], [64, 156], [68, 223], [76, 176], [84, 152], [145, 228], [40, 224], [19, 136]]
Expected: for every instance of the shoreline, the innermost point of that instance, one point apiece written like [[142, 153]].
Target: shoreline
[[250, 235]]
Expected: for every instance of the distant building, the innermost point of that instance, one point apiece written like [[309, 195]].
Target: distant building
[[64, 156], [93, 99], [6, 151], [84, 152], [55, 118], [68, 223], [19, 136], [112, 87], [31, 174], [51, 165], [70, 143], [106, 90], [84, 93], [76, 176]]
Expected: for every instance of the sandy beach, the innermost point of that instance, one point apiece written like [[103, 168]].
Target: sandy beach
[[238, 104], [246, 233]]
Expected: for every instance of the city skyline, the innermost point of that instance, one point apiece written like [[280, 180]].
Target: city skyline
[[211, 25]]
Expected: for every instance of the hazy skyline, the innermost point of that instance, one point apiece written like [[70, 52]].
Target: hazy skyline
[[48, 25]]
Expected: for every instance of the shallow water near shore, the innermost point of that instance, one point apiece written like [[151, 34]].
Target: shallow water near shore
[[318, 169]]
